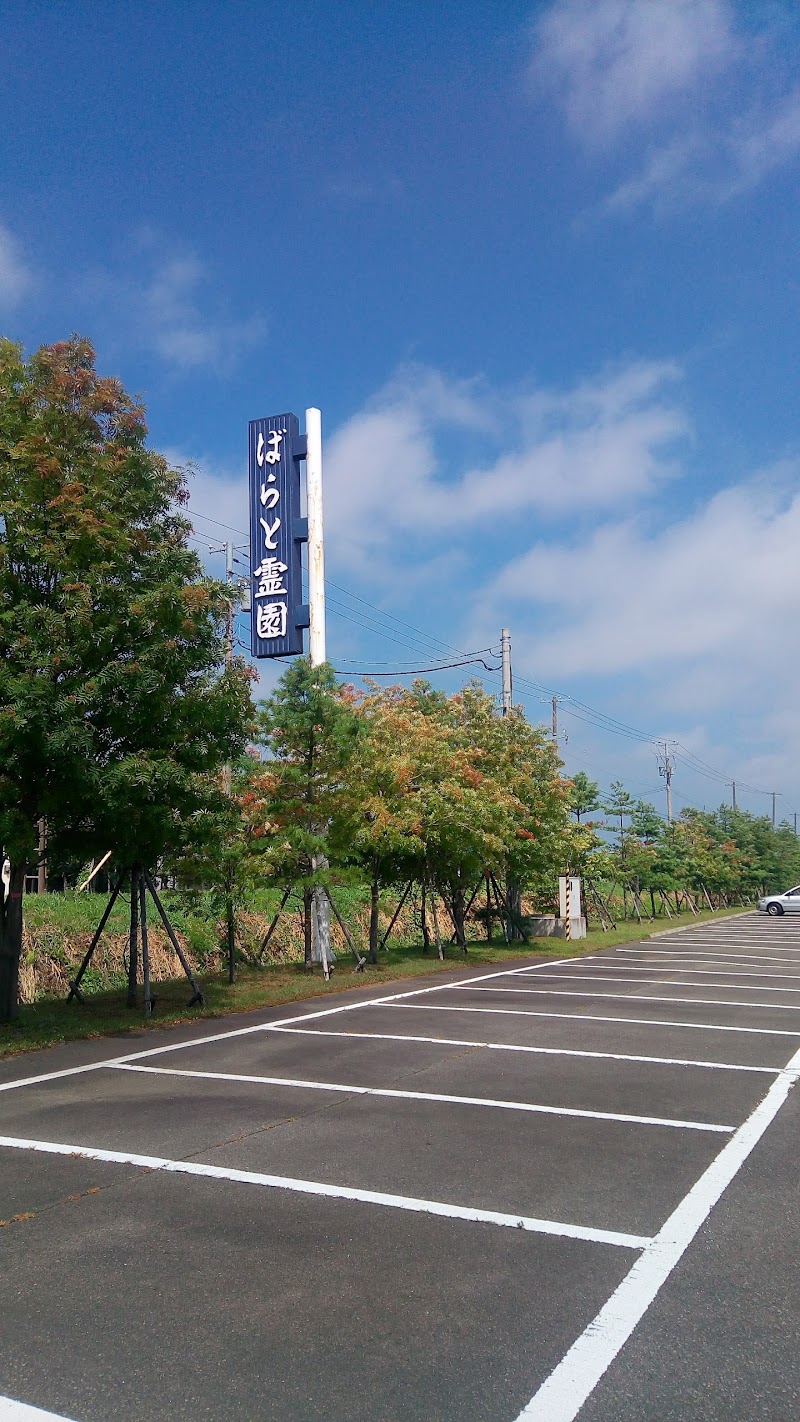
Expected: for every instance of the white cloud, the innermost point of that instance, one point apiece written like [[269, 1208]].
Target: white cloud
[[692, 109], [168, 301], [704, 607], [683, 628], [181, 333], [605, 440], [716, 165], [218, 498], [614, 63], [16, 279]]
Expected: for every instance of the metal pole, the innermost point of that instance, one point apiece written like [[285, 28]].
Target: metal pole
[[773, 809], [733, 788], [505, 657], [316, 552], [320, 916], [555, 718]]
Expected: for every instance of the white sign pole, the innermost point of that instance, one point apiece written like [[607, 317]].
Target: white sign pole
[[316, 550], [320, 917]]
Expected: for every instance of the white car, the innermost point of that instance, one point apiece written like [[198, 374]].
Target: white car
[[781, 903]]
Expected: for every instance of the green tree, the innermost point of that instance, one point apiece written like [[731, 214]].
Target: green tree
[[584, 795], [220, 864], [115, 710], [301, 799], [646, 823], [620, 805], [457, 791], [383, 838]]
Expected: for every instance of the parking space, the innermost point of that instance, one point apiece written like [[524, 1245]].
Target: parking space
[[450, 1202]]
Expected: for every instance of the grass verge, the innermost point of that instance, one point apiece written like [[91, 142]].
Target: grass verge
[[50, 1021]]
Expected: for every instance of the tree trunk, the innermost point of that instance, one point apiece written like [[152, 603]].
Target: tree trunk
[[148, 996], [514, 904], [435, 917], [373, 920], [459, 915], [133, 941], [426, 937], [653, 902], [307, 959], [11, 943], [230, 925]]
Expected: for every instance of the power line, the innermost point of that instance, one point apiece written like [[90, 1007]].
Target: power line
[[418, 671], [569, 705]]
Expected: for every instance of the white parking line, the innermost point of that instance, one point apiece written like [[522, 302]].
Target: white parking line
[[636, 997], [562, 1395], [751, 959], [335, 1192], [247, 1031], [593, 1017], [734, 945], [648, 982], [513, 1047], [448, 1100], [662, 965], [13, 1411]]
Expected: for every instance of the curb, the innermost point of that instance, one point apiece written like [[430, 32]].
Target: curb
[[665, 932]]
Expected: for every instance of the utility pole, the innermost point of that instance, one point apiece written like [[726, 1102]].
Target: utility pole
[[555, 720], [505, 658], [774, 797], [733, 788], [666, 771], [795, 822], [320, 907]]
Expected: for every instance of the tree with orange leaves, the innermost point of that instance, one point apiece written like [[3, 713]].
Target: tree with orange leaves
[[116, 709]]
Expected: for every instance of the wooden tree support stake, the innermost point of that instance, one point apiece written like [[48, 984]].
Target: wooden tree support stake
[[603, 911], [265, 941], [133, 942], [438, 935], [360, 962], [184, 962], [146, 993], [407, 890], [75, 983]]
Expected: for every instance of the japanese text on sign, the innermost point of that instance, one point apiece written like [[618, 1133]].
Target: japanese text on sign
[[274, 545]]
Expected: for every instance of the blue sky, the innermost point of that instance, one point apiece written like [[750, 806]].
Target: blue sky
[[537, 264]]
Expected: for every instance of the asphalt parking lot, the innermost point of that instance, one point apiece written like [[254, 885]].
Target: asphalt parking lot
[[563, 1190]]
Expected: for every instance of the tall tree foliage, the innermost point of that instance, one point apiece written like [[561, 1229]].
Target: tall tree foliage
[[300, 803], [584, 795], [115, 712]]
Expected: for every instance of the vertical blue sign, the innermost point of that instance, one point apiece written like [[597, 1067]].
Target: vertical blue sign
[[275, 449]]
